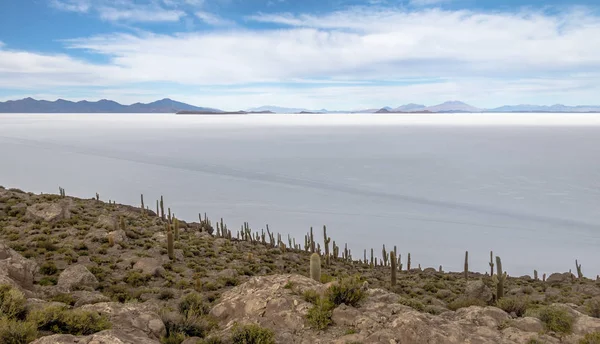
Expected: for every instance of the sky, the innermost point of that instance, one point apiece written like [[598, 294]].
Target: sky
[[314, 54]]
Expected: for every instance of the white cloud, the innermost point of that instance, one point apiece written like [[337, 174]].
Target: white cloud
[[472, 56], [71, 5], [213, 19], [140, 14], [427, 2]]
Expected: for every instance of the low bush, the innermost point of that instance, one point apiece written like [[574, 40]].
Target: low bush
[[12, 302], [17, 332], [412, 303], [591, 338], [48, 268], [554, 318], [193, 302], [593, 307], [252, 334], [59, 319], [348, 291], [319, 315], [465, 302], [518, 305]]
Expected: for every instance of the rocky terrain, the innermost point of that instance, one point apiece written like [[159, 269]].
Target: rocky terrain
[[87, 271]]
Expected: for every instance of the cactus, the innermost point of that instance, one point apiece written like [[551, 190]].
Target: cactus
[[170, 217], [346, 252], [97, 197], [491, 264], [326, 241], [535, 275], [162, 208], [372, 258], [384, 256], [170, 242], [393, 266], [143, 208], [157, 213], [176, 227], [400, 262], [440, 269], [544, 278], [466, 265], [61, 192], [579, 273], [315, 267], [312, 241], [499, 279], [408, 263]]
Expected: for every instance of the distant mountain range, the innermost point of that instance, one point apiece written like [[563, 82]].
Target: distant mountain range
[[29, 105]]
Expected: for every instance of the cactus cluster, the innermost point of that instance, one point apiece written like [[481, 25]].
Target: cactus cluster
[[61, 191], [499, 279], [579, 273]]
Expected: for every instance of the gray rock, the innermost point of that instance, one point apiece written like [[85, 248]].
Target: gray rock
[[132, 318], [478, 290], [15, 269], [76, 276], [560, 278], [149, 266], [83, 297], [104, 337], [49, 212]]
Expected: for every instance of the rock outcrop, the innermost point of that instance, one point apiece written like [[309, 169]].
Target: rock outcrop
[[16, 270], [104, 337], [272, 303], [49, 212], [136, 320], [76, 276]]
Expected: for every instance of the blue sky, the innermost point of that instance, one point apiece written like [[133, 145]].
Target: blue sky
[[335, 54]]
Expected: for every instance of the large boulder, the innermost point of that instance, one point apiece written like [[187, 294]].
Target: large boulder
[[133, 319], [379, 318], [149, 266], [15, 269], [49, 212], [560, 277], [104, 337], [76, 276], [83, 297], [478, 290]]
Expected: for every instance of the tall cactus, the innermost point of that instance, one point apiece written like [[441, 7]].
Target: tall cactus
[[326, 241], [535, 275], [176, 227], [491, 263], [400, 262], [579, 273], [315, 267], [372, 264], [499, 279], [384, 256], [393, 265], [157, 212], [143, 207], [312, 241], [408, 262], [466, 265], [162, 208], [170, 243]]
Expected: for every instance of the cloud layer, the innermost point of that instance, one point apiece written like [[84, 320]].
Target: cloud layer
[[464, 54]]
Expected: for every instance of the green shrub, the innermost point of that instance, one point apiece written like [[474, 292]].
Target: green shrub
[[252, 334], [593, 307], [465, 302], [137, 279], [48, 268], [173, 338], [415, 304], [190, 324], [48, 281], [311, 296], [555, 319], [17, 332], [518, 305], [59, 319], [193, 302], [591, 338], [64, 298], [319, 315], [347, 291], [12, 302]]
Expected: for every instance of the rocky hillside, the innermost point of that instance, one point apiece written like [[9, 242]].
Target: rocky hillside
[[86, 271]]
